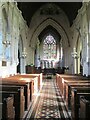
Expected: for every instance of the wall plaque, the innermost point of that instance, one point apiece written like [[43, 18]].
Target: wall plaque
[[4, 63]]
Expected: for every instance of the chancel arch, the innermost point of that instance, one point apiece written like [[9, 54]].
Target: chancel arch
[[61, 31], [54, 24], [54, 20]]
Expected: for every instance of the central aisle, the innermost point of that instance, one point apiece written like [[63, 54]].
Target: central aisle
[[50, 103]]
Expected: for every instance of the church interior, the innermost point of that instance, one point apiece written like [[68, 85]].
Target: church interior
[[44, 60]]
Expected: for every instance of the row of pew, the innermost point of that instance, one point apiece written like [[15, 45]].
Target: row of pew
[[17, 94], [75, 90]]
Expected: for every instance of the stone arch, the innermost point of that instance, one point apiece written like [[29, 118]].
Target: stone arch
[[54, 24], [60, 29], [59, 22]]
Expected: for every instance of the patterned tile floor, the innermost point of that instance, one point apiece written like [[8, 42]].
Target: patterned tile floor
[[50, 104]]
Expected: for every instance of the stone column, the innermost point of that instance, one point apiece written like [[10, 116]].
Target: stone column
[[1, 32], [38, 54], [24, 55], [86, 44], [75, 61], [85, 52], [61, 55]]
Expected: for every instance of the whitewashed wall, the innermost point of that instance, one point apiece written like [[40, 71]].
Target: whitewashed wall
[[16, 27], [81, 28]]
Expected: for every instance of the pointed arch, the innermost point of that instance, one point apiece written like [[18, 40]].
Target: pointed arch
[[54, 24]]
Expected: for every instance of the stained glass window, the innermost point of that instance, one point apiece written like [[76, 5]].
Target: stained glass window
[[49, 47]]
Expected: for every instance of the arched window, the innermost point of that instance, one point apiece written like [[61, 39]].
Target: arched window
[[49, 47]]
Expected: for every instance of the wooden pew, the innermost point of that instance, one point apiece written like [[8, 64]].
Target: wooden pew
[[26, 84], [84, 108], [35, 81], [59, 82], [62, 79], [37, 76], [65, 82], [26, 78], [23, 80], [18, 99], [40, 76], [67, 90], [7, 107], [75, 100], [71, 76]]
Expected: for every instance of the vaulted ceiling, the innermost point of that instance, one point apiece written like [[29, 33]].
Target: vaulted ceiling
[[29, 8]]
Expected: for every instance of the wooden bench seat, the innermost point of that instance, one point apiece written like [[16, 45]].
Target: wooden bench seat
[[27, 87], [19, 100], [66, 84], [39, 78], [84, 108], [70, 76], [7, 107], [28, 78], [76, 92], [67, 90], [35, 81], [62, 80], [32, 84]]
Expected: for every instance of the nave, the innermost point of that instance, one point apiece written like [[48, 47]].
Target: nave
[[50, 103], [53, 39], [38, 96]]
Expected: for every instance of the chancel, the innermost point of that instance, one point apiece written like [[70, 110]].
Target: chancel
[[44, 60]]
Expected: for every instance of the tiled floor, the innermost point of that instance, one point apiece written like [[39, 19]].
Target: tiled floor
[[50, 104]]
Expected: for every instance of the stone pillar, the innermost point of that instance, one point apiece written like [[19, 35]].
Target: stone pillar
[[24, 55], [38, 54], [86, 62], [61, 55], [86, 44], [75, 61], [0, 55], [1, 47]]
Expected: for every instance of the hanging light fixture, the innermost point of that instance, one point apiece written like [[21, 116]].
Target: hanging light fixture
[[74, 53], [24, 53], [7, 42]]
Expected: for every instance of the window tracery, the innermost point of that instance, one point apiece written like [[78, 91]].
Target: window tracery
[[49, 47]]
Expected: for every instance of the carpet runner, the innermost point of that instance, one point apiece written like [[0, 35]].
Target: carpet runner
[[50, 104]]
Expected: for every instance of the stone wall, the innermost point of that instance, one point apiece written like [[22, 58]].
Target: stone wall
[[81, 30], [12, 28]]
